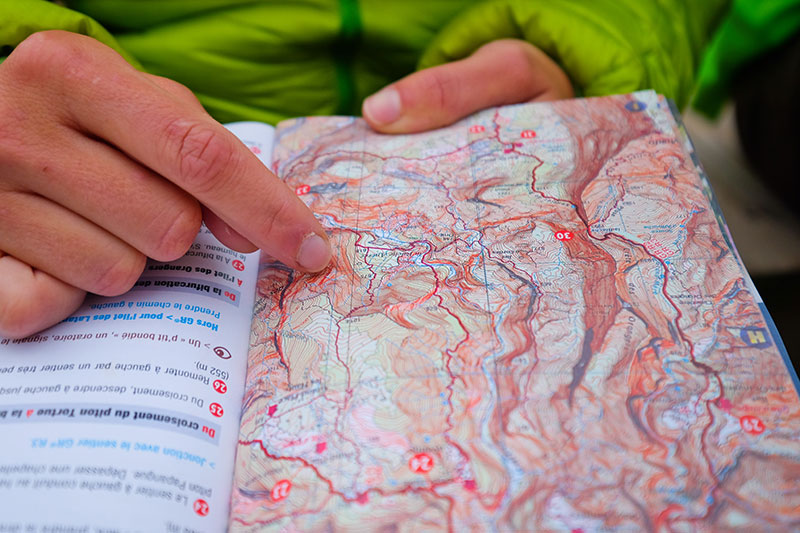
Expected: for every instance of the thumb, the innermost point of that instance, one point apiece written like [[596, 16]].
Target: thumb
[[502, 72]]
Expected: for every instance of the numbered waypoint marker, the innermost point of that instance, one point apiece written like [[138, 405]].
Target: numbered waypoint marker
[[752, 425], [200, 507], [238, 265], [281, 490], [477, 128], [528, 134], [421, 463], [300, 190], [220, 386], [216, 409], [564, 235]]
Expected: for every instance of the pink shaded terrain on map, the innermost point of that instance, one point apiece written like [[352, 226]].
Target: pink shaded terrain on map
[[467, 370]]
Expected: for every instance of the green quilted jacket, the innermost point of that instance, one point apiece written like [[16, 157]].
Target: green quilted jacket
[[268, 60]]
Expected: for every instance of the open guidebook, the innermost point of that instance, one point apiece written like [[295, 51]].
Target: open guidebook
[[535, 319]]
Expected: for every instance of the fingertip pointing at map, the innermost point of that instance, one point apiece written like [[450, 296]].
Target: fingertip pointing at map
[[314, 253]]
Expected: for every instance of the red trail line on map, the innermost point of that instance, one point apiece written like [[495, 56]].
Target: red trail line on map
[[430, 488]]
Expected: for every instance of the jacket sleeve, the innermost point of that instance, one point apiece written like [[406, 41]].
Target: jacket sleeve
[[22, 18], [605, 46], [751, 28]]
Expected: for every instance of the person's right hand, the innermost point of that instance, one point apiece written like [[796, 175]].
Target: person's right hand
[[102, 166]]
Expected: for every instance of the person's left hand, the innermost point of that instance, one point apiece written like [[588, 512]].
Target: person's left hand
[[502, 72]]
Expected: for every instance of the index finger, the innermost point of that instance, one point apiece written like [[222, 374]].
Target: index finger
[[178, 140]]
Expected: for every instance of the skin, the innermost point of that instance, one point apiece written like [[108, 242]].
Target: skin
[[161, 165], [502, 72]]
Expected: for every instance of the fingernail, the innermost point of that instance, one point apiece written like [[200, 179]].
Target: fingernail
[[384, 106], [314, 253]]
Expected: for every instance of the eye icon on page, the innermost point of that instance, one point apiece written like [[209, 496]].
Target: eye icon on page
[[222, 352]]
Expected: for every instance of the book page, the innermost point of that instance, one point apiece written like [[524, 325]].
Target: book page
[[257, 136], [534, 320], [124, 417]]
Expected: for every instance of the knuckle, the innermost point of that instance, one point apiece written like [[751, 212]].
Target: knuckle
[[520, 62], [47, 54], [32, 48], [519, 58], [120, 275], [175, 237], [205, 157], [25, 62], [175, 88]]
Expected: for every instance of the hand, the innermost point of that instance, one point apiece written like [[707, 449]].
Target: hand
[[501, 72], [102, 166]]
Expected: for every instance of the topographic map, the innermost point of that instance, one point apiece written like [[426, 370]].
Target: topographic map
[[534, 321]]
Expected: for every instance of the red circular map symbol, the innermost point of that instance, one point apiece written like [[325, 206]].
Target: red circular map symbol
[[216, 409], [281, 490], [528, 134], [421, 463], [238, 265], [200, 507], [752, 425], [300, 190], [564, 235], [220, 386], [477, 129]]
